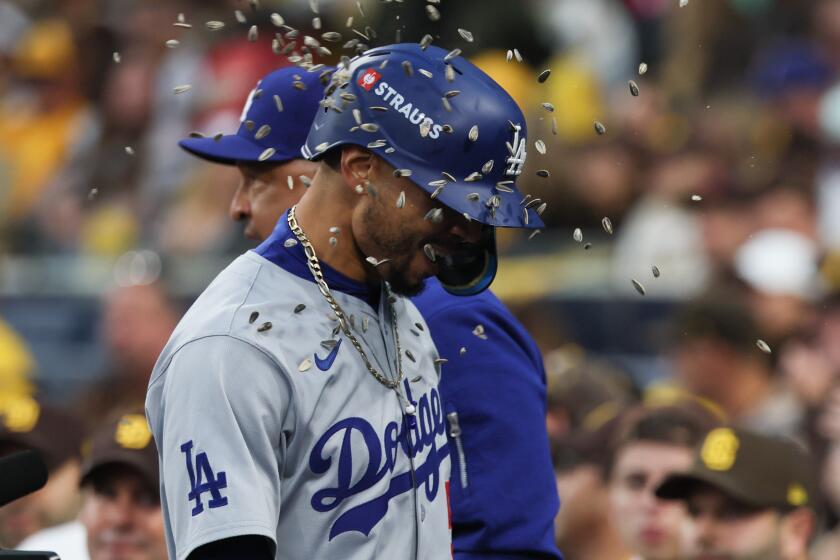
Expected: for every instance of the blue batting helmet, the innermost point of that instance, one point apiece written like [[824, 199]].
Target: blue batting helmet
[[433, 113]]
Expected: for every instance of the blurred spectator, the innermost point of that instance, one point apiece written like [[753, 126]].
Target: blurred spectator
[[714, 347], [57, 436], [747, 496], [120, 515], [137, 321], [650, 444], [17, 365]]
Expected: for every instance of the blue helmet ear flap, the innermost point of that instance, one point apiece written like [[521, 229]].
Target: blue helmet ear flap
[[470, 271]]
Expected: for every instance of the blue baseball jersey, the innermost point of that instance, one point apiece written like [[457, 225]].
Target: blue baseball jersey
[[504, 495]]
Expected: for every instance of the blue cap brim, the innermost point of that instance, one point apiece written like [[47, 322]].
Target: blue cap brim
[[230, 149]]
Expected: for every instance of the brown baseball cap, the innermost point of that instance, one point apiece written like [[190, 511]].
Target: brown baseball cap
[[27, 423], [123, 440], [756, 470]]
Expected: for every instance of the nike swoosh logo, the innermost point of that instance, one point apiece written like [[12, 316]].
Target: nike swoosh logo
[[327, 362]]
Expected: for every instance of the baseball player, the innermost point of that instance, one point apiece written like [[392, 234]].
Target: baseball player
[[498, 377], [295, 407]]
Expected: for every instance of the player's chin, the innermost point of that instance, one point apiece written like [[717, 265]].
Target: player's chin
[[409, 280]]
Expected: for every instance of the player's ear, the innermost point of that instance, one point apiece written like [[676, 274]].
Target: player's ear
[[355, 164]]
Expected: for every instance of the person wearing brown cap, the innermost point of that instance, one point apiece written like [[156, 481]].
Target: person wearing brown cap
[[120, 517], [748, 496], [56, 435]]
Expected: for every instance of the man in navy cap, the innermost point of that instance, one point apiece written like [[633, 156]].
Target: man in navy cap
[[493, 390]]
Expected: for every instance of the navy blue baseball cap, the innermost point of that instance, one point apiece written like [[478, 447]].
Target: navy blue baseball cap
[[277, 116]]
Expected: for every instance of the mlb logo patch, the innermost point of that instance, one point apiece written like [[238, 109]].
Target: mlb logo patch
[[369, 78]]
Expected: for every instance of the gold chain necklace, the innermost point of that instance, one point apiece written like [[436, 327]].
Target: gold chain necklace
[[315, 268]]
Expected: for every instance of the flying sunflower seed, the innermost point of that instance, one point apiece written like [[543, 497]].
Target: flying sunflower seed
[[180, 18], [473, 177], [182, 24], [448, 176], [544, 75], [454, 53], [252, 33], [554, 126], [517, 55], [463, 350], [376, 144], [253, 317], [249, 124], [335, 230], [437, 191], [321, 147], [359, 189], [173, 43], [299, 307], [473, 196], [313, 5], [305, 365], [502, 186], [446, 104], [544, 173], [401, 200], [369, 127], [487, 167], [435, 215], [402, 173], [357, 116], [540, 146], [465, 35], [316, 23], [432, 12], [548, 107], [577, 235], [255, 4], [450, 73], [509, 55], [181, 89], [447, 128], [305, 180], [299, 85], [607, 225], [92, 193], [479, 332], [290, 243], [587, 246], [683, 3], [376, 262], [409, 355], [426, 73], [240, 17], [378, 108], [263, 131], [215, 25], [638, 286], [328, 344], [634, 88], [600, 128], [116, 56], [408, 68], [333, 241], [655, 271], [331, 36], [696, 197], [643, 68], [264, 327], [430, 252], [266, 154], [763, 346], [473, 135], [277, 19], [129, 150], [541, 208], [426, 41], [390, 150]]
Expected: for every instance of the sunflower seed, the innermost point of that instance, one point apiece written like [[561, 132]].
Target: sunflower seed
[[252, 33], [349, 23], [502, 186], [587, 246], [432, 12], [378, 108], [181, 89], [277, 19], [290, 182], [638, 286], [577, 235], [335, 230], [333, 241], [290, 243], [266, 154], [376, 262], [182, 24], [305, 365], [450, 73], [655, 271], [249, 124], [331, 36], [541, 208], [253, 317], [129, 150], [533, 203], [305, 178], [320, 148], [328, 344], [554, 126], [465, 35], [264, 327], [425, 127], [426, 41], [435, 215], [696, 197], [376, 144], [255, 4], [299, 307], [402, 173], [440, 361], [430, 252], [548, 107], [116, 57], [389, 150], [410, 356], [408, 68], [509, 55], [473, 177], [299, 85], [447, 105], [487, 167], [473, 135], [634, 88], [544, 76], [214, 25], [92, 193], [366, 320], [454, 53], [540, 146], [600, 128], [449, 177], [316, 24], [543, 173], [369, 127], [263, 131], [401, 200], [643, 68], [359, 189], [426, 73], [357, 116], [173, 43], [607, 225], [517, 55], [473, 196], [240, 17], [683, 3], [313, 5], [763, 346], [479, 332], [451, 93], [437, 191], [447, 128], [463, 350]]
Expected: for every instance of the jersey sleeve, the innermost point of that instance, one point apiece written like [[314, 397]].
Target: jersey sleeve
[[224, 418], [504, 497]]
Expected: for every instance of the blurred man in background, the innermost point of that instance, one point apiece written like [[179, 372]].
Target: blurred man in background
[[748, 496], [120, 516], [651, 444], [56, 435]]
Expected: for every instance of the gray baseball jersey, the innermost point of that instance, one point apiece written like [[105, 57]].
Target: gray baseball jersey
[[268, 423]]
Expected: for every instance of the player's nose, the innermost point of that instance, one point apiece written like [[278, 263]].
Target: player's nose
[[240, 205]]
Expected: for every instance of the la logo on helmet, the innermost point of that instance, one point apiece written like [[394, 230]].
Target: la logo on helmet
[[369, 78], [516, 159]]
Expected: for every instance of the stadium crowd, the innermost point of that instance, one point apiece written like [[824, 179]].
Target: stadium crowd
[[718, 177]]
